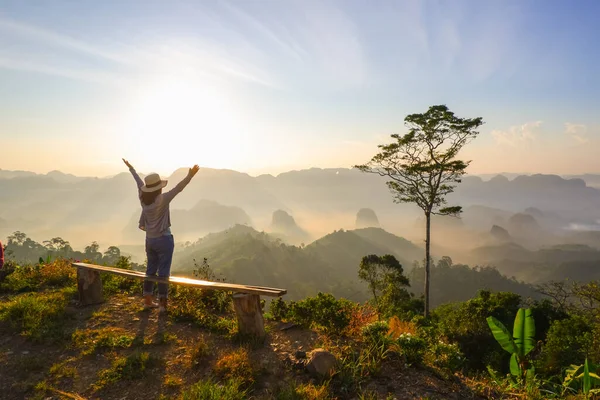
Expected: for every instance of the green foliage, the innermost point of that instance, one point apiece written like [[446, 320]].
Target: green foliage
[[323, 312], [447, 357], [38, 316], [582, 378], [31, 278], [568, 341], [422, 165], [385, 278], [278, 309], [466, 325], [375, 331], [519, 344], [211, 390], [411, 348]]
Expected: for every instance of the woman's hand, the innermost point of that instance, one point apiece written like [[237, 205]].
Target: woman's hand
[[127, 163], [194, 170]]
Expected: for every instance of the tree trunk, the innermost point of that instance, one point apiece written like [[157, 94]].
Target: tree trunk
[[249, 314], [89, 286], [427, 260]]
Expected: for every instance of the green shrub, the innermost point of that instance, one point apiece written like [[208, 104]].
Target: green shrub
[[323, 311], [211, 390], [568, 342], [446, 357], [375, 330], [411, 348], [279, 309], [465, 324], [38, 316], [32, 278]]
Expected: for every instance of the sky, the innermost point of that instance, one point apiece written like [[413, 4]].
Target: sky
[[268, 86]]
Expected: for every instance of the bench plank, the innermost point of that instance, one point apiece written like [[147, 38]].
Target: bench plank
[[265, 291]]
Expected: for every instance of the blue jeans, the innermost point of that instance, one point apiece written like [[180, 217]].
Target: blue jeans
[[159, 252]]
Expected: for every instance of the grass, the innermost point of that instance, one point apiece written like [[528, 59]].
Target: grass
[[32, 278], [172, 381], [307, 391], [131, 367], [199, 352], [236, 365], [95, 340], [208, 389], [38, 316]]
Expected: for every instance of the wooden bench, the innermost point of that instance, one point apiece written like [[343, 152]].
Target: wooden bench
[[246, 298]]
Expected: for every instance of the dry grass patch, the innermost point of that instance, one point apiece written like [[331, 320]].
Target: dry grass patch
[[236, 365]]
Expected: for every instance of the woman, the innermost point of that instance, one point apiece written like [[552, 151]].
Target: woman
[[156, 222]]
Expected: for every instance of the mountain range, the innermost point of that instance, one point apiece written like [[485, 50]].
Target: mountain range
[[564, 210]]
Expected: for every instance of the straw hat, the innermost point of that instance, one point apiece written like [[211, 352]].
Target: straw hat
[[153, 183]]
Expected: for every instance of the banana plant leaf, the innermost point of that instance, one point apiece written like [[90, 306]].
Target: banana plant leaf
[[587, 381], [502, 335], [515, 368], [524, 331]]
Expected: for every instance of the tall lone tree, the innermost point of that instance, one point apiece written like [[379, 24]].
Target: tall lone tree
[[422, 166]]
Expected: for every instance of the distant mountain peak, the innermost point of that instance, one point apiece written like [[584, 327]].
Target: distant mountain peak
[[366, 218]]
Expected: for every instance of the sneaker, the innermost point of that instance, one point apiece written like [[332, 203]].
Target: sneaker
[[149, 303]]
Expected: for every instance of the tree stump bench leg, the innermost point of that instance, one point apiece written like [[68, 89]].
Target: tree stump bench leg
[[249, 315], [89, 285]]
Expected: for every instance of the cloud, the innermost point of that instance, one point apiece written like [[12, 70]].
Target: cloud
[[291, 49], [59, 40], [48, 52], [75, 74], [517, 135], [577, 131]]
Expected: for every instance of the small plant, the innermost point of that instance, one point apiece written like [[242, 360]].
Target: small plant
[[172, 381], [211, 390], [375, 331], [410, 347], [125, 368], [519, 344], [583, 377], [399, 327], [308, 391], [199, 352], [446, 357]]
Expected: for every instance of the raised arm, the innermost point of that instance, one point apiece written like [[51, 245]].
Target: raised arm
[[170, 195], [137, 178]]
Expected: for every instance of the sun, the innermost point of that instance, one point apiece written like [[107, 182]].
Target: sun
[[176, 123]]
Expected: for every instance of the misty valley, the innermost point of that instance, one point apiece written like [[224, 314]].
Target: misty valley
[[308, 230]]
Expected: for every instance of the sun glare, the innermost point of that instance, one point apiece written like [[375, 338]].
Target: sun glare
[[180, 122]]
